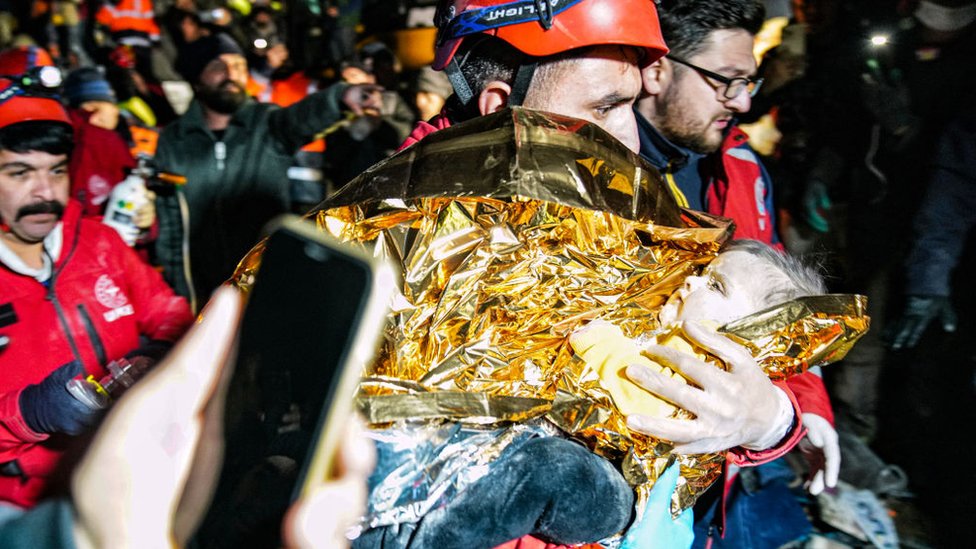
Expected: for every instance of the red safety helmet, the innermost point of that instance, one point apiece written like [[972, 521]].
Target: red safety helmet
[[21, 59], [541, 28], [23, 105], [30, 67]]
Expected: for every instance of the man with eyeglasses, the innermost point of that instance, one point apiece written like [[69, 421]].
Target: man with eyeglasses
[[687, 130]]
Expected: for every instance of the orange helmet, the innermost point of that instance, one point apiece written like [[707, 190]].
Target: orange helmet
[[18, 104], [31, 66], [21, 59], [540, 28]]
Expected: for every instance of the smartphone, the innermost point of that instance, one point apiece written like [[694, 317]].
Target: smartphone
[[313, 320]]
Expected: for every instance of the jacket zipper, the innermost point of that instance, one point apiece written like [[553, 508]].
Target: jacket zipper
[[93, 335], [53, 297], [679, 196], [220, 154]]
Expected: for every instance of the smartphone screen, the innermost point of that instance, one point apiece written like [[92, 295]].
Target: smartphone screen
[[311, 321]]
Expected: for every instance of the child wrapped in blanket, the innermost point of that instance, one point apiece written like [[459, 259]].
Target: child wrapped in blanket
[[558, 490]]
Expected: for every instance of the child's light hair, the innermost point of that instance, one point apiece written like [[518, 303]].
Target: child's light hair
[[799, 279]]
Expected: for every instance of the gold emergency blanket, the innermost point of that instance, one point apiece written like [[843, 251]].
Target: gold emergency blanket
[[513, 230], [786, 340]]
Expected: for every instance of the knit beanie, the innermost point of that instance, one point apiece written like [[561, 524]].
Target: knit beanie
[[87, 84], [196, 55]]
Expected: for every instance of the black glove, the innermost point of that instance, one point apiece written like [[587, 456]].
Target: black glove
[[48, 407], [919, 312], [153, 349], [887, 98]]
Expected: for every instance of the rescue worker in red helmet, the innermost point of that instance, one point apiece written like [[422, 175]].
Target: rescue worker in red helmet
[[73, 297], [578, 58]]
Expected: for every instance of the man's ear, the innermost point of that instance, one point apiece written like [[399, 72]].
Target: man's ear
[[656, 76], [494, 97]]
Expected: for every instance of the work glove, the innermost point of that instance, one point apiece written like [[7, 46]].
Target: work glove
[[48, 407], [822, 451], [887, 99], [919, 311], [816, 202], [655, 527]]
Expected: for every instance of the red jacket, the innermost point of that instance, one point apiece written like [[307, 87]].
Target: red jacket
[[740, 189], [99, 301], [100, 161]]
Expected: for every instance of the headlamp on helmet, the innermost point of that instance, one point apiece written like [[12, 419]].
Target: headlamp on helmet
[[42, 79]]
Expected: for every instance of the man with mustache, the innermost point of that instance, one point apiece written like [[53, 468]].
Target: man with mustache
[[687, 130], [235, 154], [73, 299]]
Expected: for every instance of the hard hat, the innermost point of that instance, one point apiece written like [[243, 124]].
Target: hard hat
[[541, 28], [30, 66], [20, 59], [18, 104]]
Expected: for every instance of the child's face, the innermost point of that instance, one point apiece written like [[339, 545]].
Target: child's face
[[726, 290]]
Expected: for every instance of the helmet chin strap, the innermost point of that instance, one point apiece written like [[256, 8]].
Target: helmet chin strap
[[520, 86], [465, 96], [460, 84]]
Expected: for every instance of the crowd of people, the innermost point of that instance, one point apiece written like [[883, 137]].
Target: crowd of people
[[144, 144]]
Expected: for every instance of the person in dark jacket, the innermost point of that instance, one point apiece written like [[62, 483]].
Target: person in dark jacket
[[941, 226], [235, 154]]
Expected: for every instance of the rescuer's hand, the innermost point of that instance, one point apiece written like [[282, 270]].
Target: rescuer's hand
[[920, 311], [160, 445], [656, 522], [816, 203], [145, 215], [363, 99], [321, 519], [48, 407], [738, 407], [822, 452]]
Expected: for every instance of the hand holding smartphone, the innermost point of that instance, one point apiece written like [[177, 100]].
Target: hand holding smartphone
[[313, 321]]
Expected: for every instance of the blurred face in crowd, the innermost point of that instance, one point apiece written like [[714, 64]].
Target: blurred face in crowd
[[355, 75], [600, 88], [689, 108], [104, 114], [33, 192], [222, 84]]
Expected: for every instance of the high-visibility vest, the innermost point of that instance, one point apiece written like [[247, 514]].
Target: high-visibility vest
[[129, 16]]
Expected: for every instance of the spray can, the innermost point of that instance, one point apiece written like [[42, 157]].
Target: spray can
[[127, 198]]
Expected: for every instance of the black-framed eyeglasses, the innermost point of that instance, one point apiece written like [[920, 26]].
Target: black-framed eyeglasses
[[732, 86]]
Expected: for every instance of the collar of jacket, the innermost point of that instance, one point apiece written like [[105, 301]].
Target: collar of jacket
[[735, 137]]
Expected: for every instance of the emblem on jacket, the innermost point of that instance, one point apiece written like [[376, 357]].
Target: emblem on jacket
[[760, 191], [111, 297]]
